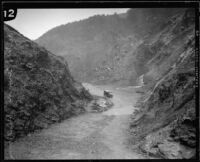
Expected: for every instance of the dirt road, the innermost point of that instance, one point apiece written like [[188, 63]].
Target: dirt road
[[88, 136]]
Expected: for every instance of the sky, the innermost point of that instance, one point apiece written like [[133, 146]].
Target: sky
[[32, 23]]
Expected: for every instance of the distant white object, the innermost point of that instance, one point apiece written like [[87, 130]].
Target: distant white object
[[141, 80]]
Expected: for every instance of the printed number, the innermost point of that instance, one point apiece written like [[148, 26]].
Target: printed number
[[9, 13]]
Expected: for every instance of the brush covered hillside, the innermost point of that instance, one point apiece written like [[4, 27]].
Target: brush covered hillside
[[109, 49], [166, 122], [38, 87]]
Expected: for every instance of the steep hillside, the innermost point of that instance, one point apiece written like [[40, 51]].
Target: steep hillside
[[38, 87], [101, 49], [166, 121]]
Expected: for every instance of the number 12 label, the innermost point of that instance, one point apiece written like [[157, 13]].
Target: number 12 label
[[9, 14]]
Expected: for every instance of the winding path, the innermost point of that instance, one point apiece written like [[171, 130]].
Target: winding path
[[87, 136]]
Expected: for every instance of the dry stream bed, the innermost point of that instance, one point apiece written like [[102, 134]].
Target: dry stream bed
[[87, 136]]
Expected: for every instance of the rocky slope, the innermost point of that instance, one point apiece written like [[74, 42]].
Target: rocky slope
[[167, 121], [107, 49], [38, 87]]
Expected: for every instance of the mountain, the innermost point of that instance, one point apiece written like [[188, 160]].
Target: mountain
[[38, 87], [101, 49]]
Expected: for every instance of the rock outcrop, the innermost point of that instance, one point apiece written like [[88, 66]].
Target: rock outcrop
[[38, 87], [167, 121]]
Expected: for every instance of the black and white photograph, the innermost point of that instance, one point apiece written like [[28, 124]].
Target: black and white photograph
[[100, 82]]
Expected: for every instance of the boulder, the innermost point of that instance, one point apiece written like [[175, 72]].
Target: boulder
[[170, 150], [101, 104]]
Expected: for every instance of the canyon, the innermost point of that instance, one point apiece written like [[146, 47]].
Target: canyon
[[145, 57]]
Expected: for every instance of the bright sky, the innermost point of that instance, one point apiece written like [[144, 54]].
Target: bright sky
[[32, 23]]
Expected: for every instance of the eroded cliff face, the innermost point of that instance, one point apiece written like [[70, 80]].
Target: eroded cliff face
[[38, 87], [166, 123], [109, 49]]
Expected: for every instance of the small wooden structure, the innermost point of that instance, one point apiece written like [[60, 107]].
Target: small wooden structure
[[107, 94]]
